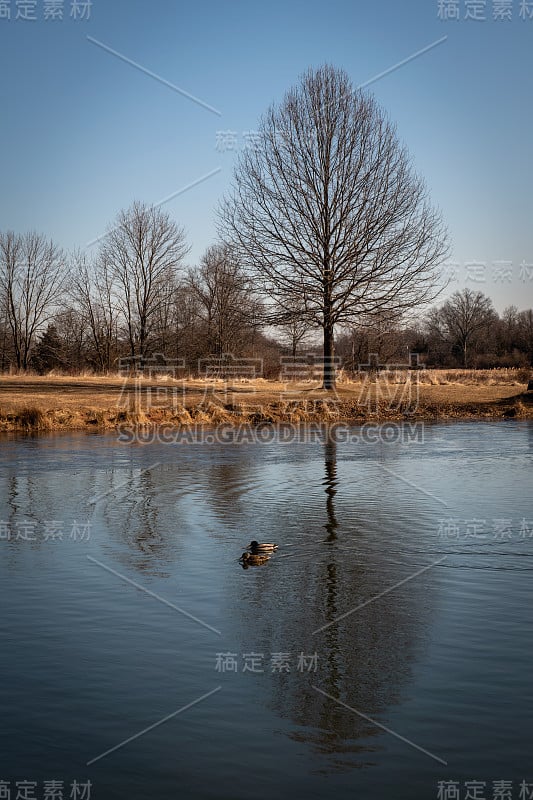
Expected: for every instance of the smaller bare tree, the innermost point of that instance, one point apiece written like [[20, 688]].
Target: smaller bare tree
[[144, 250], [525, 332], [463, 318], [91, 290], [228, 306], [293, 323], [31, 282]]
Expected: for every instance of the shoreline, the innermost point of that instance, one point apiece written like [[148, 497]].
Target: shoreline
[[32, 403]]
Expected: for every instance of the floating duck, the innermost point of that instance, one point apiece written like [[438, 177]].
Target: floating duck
[[262, 547], [254, 559]]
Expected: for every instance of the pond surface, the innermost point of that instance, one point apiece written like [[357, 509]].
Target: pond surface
[[385, 648]]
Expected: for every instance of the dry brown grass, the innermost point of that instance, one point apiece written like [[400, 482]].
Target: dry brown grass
[[32, 402]]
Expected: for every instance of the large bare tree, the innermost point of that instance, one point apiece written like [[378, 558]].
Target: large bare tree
[[31, 280], [144, 250], [327, 208]]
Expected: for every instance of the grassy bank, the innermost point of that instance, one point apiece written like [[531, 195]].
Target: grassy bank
[[40, 403]]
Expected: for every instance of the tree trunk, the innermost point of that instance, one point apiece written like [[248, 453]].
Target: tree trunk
[[329, 353], [329, 342]]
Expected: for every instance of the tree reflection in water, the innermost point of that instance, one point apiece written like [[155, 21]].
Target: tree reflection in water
[[363, 659]]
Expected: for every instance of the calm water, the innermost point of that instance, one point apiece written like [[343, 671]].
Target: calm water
[[435, 669]]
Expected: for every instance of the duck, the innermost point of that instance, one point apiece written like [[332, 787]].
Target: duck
[[253, 559], [262, 547]]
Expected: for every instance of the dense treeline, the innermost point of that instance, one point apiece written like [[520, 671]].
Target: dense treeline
[[134, 297], [464, 331]]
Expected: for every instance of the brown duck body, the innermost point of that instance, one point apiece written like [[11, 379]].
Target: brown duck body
[[262, 547], [254, 559]]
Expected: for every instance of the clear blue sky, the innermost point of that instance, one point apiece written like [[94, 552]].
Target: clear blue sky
[[84, 133]]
